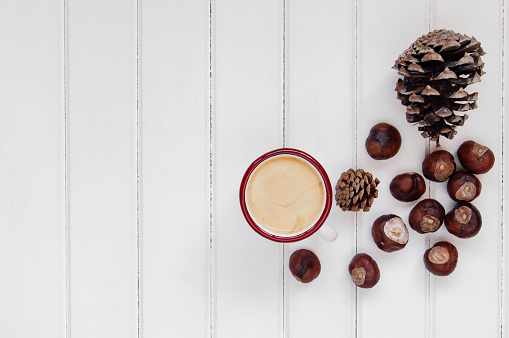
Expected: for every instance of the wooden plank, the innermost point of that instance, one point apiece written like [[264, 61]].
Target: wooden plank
[[472, 291], [102, 168], [32, 212], [401, 294], [175, 167], [247, 119], [320, 120]]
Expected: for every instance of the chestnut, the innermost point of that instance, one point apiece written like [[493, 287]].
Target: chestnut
[[475, 158], [463, 186], [441, 259], [407, 187], [364, 271], [383, 141], [438, 166], [426, 216], [464, 221], [304, 265], [389, 233]]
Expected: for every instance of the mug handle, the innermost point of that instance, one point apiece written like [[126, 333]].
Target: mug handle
[[327, 232]]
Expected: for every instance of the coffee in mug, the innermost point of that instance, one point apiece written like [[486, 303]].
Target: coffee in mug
[[285, 195]]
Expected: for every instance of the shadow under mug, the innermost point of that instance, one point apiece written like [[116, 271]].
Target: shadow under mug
[[324, 230]]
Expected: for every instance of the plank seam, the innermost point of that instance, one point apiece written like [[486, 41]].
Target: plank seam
[[67, 217], [502, 258], [356, 108], [283, 256], [284, 73], [211, 193], [138, 171]]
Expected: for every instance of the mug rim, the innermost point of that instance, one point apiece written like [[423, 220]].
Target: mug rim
[[327, 186]]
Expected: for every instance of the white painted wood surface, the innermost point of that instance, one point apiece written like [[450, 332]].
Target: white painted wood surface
[[320, 120], [174, 138], [126, 127], [480, 267], [401, 292], [101, 115], [32, 173], [247, 284]]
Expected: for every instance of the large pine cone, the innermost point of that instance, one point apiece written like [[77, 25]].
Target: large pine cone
[[436, 68], [356, 190]]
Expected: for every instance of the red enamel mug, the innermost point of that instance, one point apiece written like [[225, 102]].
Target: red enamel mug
[[264, 182]]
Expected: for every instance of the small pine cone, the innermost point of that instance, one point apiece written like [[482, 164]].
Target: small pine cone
[[356, 190], [436, 68]]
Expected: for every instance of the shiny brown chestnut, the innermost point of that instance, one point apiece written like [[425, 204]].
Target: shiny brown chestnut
[[407, 187], [463, 186], [475, 158], [383, 141], [464, 221], [389, 233], [426, 216], [438, 166], [364, 271], [441, 259], [304, 265]]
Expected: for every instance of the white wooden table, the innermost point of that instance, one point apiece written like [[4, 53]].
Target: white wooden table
[[125, 129]]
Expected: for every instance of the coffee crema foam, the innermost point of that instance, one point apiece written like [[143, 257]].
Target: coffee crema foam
[[285, 195]]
